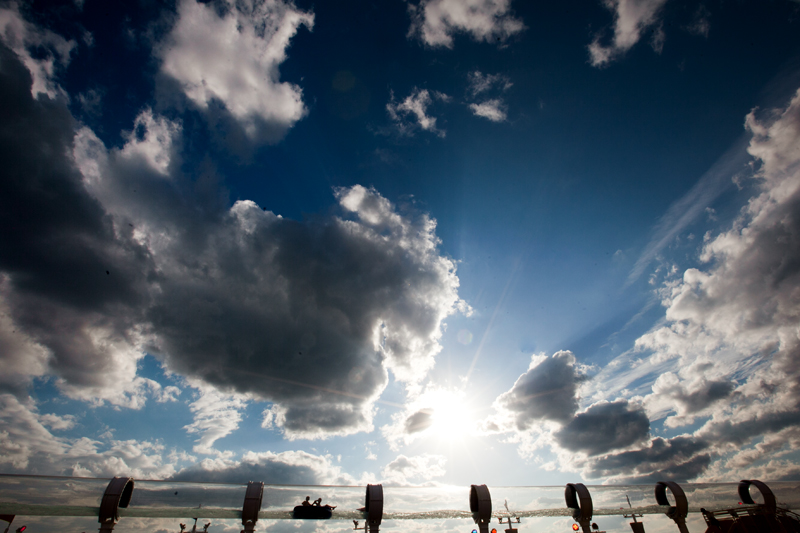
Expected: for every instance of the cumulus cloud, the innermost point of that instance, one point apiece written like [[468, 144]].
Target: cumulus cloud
[[547, 391], [731, 323], [680, 459], [26, 445], [71, 285], [411, 115], [118, 253], [28, 42], [233, 60], [687, 398], [245, 298], [604, 427], [404, 471], [285, 468], [631, 18], [436, 21]]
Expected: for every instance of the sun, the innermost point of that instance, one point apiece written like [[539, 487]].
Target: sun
[[451, 413]]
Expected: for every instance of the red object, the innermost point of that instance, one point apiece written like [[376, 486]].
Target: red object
[[574, 527], [23, 528]]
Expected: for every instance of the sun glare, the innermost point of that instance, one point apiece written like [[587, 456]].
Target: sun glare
[[451, 415]]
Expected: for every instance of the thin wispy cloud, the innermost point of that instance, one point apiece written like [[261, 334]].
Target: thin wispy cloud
[[682, 213]]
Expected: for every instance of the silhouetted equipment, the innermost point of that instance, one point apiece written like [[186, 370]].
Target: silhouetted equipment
[[510, 514], [372, 510], [766, 517], [678, 511], [637, 527], [117, 495], [7, 518], [480, 504], [580, 501], [373, 506], [252, 505]]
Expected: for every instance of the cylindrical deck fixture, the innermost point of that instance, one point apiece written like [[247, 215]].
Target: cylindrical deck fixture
[[118, 494], [580, 501], [678, 511], [769, 505], [373, 506], [480, 504], [252, 505]]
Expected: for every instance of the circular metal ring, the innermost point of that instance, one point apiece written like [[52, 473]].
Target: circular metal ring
[[681, 507], [769, 498], [373, 504], [580, 501], [480, 503]]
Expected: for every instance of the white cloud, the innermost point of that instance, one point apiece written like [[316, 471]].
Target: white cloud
[[56, 422], [27, 446], [725, 357], [22, 37], [411, 114], [390, 320], [234, 59], [405, 471], [494, 110], [731, 324], [631, 18], [216, 415], [436, 21], [287, 468], [158, 262]]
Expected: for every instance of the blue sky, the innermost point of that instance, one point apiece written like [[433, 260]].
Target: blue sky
[[433, 241]]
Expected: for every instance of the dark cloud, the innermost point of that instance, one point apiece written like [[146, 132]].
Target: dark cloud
[[270, 470], [419, 421], [114, 252], [70, 278], [709, 393], [604, 427], [547, 391], [678, 455]]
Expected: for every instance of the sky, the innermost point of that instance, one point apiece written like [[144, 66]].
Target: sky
[[407, 242]]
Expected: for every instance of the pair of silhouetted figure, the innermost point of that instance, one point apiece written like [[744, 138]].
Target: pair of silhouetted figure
[[317, 503]]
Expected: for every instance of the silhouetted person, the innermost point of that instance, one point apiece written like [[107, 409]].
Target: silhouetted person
[[307, 503]]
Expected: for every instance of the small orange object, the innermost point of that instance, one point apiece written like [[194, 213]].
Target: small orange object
[[574, 527]]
